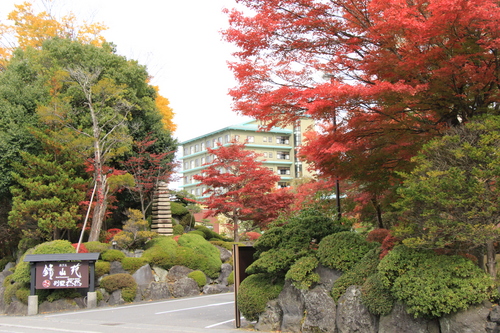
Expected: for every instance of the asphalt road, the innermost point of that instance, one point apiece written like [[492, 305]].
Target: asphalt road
[[208, 313]]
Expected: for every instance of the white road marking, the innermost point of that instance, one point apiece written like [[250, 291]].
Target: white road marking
[[222, 323], [37, 328], [193, 308], [112, 308]]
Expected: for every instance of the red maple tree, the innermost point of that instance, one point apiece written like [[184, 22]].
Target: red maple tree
[[149, 170], [381, 76], [241, 188]]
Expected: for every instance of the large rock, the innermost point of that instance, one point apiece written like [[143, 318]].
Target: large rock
[[185, 287], [178, 272], [225, 254], [399, 321], [115, 298], [159, 290], [116, 268], [16, 308], [143, 276], [291, 303], [60, 305], [270, 319], [472, 320], [225, 271], [2, 302], [327, 276], [159, 274], [320, 311], [352, 315], [215, 289]]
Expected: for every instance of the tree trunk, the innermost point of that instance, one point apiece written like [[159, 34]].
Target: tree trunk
[[236, 234], [491, 260], [378, 210]]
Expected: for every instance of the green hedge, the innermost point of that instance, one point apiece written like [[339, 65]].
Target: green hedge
[[254, 293], [199, 277], [112, 255], [376, 297], [211, 262], [122, 281], [343, 250], [95, 247], [302, 272], [357, 276], [102, 268], [434, 285], [131, 264]]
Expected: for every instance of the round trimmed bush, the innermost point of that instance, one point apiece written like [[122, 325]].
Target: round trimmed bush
[[275, 261], [343, 250], [357, 276], [254, 293], [112, 255], [376, 297], [156, 256], [178, 229], [132, 264], [122, 281], [212, 263], [102, 268], [230, 278], [199, 277], [433, 285], [95, 247], [302, 272]]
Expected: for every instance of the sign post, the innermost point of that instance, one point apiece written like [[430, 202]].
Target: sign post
[[61, 271], [243, 257]]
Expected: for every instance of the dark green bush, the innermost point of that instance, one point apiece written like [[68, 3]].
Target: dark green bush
[[122, 281], [302, 272], [112, 255], [166, 243], [197, 232], [343, 250], [226, 245], [254, 293], [275, 261], [199, 277], [357, 276], [230, 278], [433, 285], [62, 294], [10, 289], [95, 247], [376, 297], [102, 268], [178, 209], [22, 294], [178, 229], [210, 234], [131, 264]]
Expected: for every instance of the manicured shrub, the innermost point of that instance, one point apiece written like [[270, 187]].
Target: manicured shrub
[[343, 250], [433, 285], [199, 277], [156, 256], [22, 294], [178, 209], [197, 232], [376, 297], [112, 255], [230, 278], [275, 261], [132, 264], [254, 293], [122, 281], [135, 233], [212, 263], [178, 229], [227, 245], [377, 235], [302, 272], [95, 247], [166, 243], [10, 289], [210, 234], [102, 268], [357, 276]]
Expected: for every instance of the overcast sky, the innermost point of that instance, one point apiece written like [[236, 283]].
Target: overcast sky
[[179, 42]]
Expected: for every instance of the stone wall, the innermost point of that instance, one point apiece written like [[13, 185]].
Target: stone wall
[[314, 311]]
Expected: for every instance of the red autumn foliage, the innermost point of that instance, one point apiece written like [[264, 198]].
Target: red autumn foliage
[[252, 235], [388, 244], [241, 188], [111, 233], [81, 249], [377, 235], [382, 77]]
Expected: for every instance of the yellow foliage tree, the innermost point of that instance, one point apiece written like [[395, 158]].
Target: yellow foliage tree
[[31, 29], [166, 111]]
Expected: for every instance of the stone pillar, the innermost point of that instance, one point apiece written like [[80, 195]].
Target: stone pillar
[[32, 305], [91, 299], [162, 216]]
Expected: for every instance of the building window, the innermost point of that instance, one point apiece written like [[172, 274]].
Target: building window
[[186, 165], [282, 140], [227, 138], [264, 139], [196, 148], [192, 164], [191, 150], [283, 171], [214, 143], [270, 139], [198, 191], [250, 138], [202, 160], [219, 139], [208, 159], [197, 162], [207, 144], [185, 151], [265, 155], [236, 138], [202, 146], [270, 155], [282, 184], [281, 155]]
